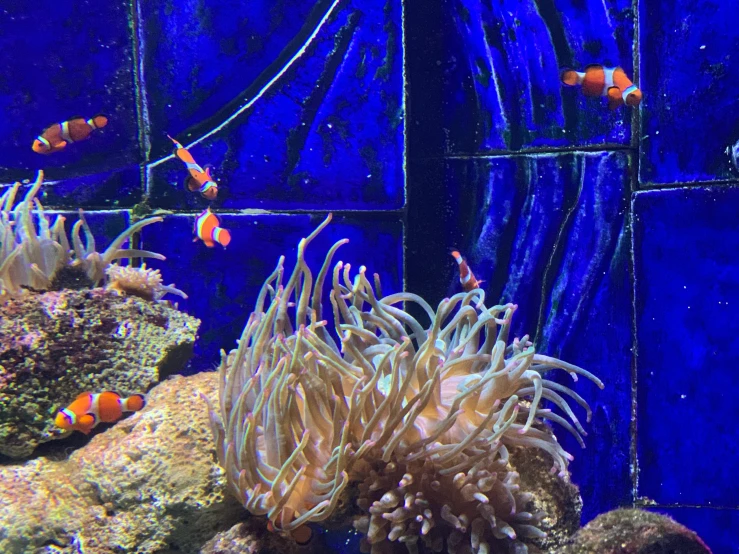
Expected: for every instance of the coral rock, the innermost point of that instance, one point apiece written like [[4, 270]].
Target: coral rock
[[147, 484], [634, 532], [55, 345]]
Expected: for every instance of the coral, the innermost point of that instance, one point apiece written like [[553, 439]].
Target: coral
[[424, 419], [146, 485], [139, 281], [34, 254], [54, 345], [629, 531]]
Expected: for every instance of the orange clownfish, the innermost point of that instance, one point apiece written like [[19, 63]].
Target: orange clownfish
[[89, 409], [466, 277], [207, 229], [612, 82], [198, 179], [56, 137]]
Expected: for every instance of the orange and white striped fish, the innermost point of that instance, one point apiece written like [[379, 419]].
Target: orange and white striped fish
[[207, 228], [466, 277], [89, 409], [57, 136], [198, 179], [598, 80]]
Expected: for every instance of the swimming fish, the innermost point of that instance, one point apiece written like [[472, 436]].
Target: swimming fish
[[207, 229], [56, 137], [89, 409], [198, 179], [466, 277], [598, 80]]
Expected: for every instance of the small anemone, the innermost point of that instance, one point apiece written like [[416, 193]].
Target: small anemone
[[33, 251], [141, 281]]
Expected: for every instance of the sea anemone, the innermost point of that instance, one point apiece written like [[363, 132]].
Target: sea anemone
[[141, 281], [35, 254], [420, 418]]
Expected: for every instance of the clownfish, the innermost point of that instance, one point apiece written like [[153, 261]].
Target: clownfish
[[207, 229], [56, 137], [89, 409], [198, 179], [466, 277], [598, 80]]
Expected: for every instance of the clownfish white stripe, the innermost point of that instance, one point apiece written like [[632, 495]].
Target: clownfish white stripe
[[217, 234], [628, 91], [206, 186], [43, 141], [608, 75], [65, 131]]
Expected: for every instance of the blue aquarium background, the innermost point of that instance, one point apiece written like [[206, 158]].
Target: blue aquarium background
[[426, 126]]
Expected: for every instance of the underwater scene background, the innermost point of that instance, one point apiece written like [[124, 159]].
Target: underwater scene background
[[424, 127]]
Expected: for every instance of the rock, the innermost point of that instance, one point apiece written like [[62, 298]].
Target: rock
[[148, 484], [630, 531], [558, 498], [55, 345]]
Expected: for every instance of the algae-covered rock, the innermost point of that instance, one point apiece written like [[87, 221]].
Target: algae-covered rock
[[54, 345], [631, 531], [148, 484]]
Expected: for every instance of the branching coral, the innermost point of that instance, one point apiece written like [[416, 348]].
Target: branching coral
[[421, 418], [33, 252]]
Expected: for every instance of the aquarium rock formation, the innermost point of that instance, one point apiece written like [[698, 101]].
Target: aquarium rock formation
[[631, 531], [55, 345], [424, 421], [146, 485], [60, 337]]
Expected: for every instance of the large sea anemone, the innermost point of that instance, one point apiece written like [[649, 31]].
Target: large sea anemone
[[36, 254], [420, 418]]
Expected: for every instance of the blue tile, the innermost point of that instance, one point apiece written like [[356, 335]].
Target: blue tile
[[717, 528], [685, 244], [326, 134], [500, 69], [69, 59], [113, 189], [200, 56], [222, 284], [689, 78], [548, 232]]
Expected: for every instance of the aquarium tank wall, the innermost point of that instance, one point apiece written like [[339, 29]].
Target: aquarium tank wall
[[532, 191]]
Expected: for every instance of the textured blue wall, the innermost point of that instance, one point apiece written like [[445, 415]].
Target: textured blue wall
[[560, 204]]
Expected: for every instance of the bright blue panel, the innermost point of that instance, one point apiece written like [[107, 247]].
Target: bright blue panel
[[689, 72], [62, 60], [200, 56], [717, 528], [327, 134], [549, 233], [686, 266], [223, 283], [501, 73]]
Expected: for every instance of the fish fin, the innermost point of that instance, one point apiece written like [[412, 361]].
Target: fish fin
[[60, 144], [614, 97], [568, 77], [191, 184], [87, 419]]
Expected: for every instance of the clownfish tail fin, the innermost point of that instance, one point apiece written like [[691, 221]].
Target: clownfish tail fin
[[569, 77], [134, 403]]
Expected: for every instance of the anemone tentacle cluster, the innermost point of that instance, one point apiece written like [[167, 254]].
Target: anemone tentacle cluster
[[422, 418], [34, 251]]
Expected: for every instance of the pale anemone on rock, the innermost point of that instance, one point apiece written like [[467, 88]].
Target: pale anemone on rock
[[36, 254], [421, 419], [141, 281]]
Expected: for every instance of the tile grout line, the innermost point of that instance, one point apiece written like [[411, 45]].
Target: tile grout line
[[635, 158]]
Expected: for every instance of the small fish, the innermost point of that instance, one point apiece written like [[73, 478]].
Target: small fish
[[56, 137], [198, 179], [466, 277], [598, 80], [207, 229], [89, 409]]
